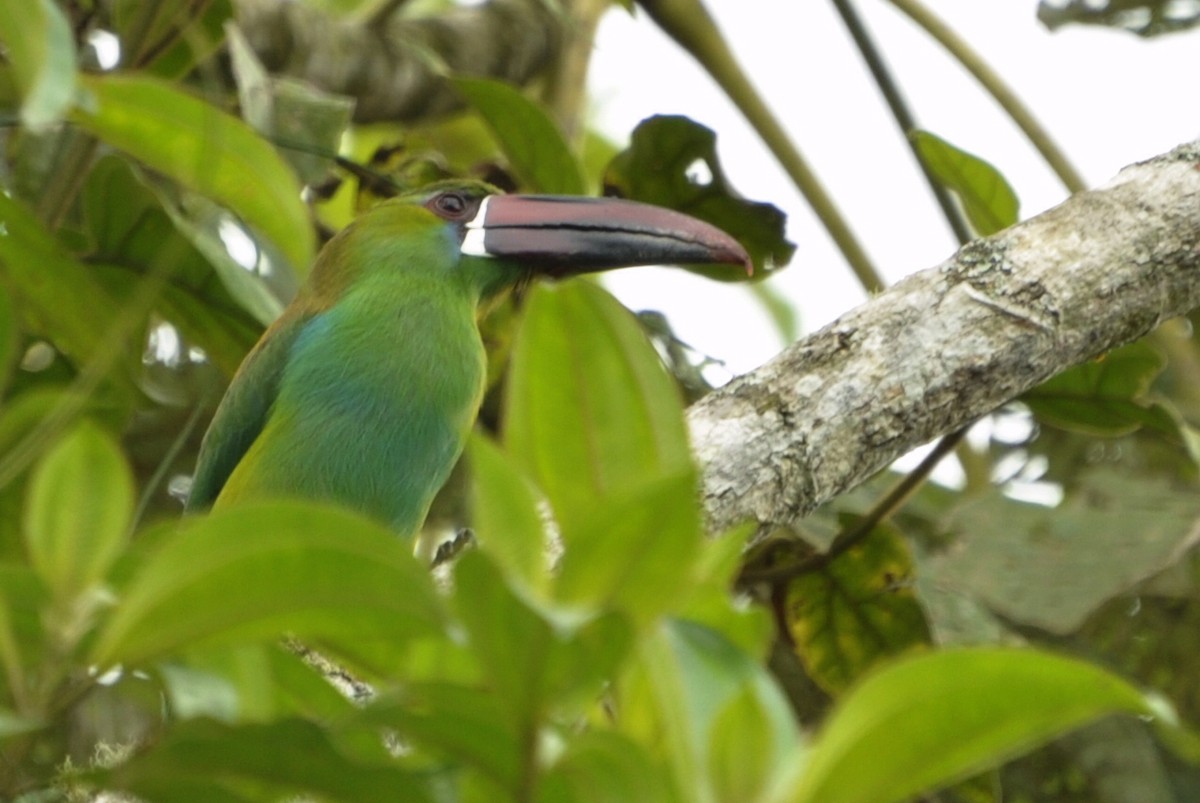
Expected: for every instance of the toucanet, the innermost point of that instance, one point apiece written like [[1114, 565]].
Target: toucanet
[[364, 390]]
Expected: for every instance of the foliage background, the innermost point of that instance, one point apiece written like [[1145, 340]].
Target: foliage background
[[852, 660]]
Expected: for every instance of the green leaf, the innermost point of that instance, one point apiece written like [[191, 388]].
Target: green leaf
[[137, 239], [202, 760], [254, 572], [529, 138], [739, 750], [40, 48], [672, 162], [529, 661], [78, 511], [13, 724], [1106, 396], [200, 221], [10, 341], [601, 766], [1051, 567], [205, 150], [635, 553], [685, 680], [178, 38], [931, 720], [591, 414], [58, 297], [986, 197], [505, 515], [463, 724], [23, 605], [306, 123], [249, 683], [857, 611]]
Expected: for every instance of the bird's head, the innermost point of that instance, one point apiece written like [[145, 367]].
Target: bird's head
[[491, 241]]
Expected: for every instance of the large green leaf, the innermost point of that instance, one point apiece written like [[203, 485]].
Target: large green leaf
[[505, 515], [689, 681], [672, 162], [205, 150], [600, 766], [858, 610], [529, 138], [591, 414], [637, 553], [533, 661], [1105, 396], [467, 725], [40, 48], [1051, 567], [934, 719], [205, 761], [254, 572], [987, 198], [78, 512]]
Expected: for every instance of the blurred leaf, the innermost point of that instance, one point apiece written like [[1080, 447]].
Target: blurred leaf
[[636, 553], [857, 611], [531, 662], [205, 150], [591, 413], [778, 309], [78, 512], [986, 197], [1051, 567], [40, 48], [182, 34], [1106, 396], [136, 240], [59, 298], [10, 342], [464, 724], [303, 121], [505, 515], [13, 724], [23, 604], [529, 138], [254, 572], [672, 162], [202, 222], [739, 750], [685, 679], [202, 760], [933, 719], [1143, 17], [600, 766]]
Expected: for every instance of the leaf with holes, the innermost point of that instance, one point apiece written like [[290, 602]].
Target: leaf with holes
[[672, 161]]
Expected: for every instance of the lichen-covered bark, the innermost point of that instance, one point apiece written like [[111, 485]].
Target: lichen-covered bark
[[389, 67], [953, 342]]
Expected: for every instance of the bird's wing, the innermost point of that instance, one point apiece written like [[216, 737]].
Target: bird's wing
[[243, 412]]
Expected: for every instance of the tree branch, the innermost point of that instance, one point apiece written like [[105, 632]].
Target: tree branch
[[390, 67], [952, 343]]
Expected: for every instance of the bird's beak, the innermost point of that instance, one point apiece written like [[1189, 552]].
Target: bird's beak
[[563, 235]]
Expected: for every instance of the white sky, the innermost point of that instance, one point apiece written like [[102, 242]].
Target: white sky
[[1108, 97]]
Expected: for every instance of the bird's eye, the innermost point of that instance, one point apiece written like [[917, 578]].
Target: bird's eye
[[450, 205]]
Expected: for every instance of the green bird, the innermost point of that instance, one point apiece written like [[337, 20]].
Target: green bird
[[364, 390]]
